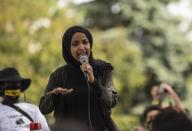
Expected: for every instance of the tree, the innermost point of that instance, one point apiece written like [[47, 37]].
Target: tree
[[30, 39], [166, 53]]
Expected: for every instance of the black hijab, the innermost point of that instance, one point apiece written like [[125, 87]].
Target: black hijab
[[66, 43], [66, 51]]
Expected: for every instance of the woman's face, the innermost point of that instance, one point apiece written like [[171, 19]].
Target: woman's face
[[80, 45]]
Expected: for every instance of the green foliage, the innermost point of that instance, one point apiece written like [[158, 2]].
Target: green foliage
[[139, 37], [30, 39], [126, 58], [125, 122], [163, 52]]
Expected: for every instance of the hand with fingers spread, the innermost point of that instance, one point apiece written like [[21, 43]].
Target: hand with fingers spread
[[60, 90]]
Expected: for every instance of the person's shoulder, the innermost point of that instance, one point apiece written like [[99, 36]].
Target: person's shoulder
[[102, 65], [101, 61], [2, 106], [3, 110], [27, 105], [59, 70]]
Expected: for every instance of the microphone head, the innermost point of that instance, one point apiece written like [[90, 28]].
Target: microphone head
[[83, 58]]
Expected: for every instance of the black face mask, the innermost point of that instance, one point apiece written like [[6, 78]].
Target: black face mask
[[12, 99]]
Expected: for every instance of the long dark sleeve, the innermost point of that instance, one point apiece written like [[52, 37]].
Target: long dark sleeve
[[46, 105], [108, 98], [109, 94], [96, 87]]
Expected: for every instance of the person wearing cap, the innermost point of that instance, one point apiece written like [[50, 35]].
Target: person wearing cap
[[81, 92], [15, 115]]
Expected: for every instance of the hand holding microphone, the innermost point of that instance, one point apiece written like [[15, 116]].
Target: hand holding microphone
[[86, 68]]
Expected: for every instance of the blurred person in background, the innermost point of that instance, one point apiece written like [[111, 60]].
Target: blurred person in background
[[158, 91], [15, 115], [149, 115], [162, 90], [81, 93], [171, 120]]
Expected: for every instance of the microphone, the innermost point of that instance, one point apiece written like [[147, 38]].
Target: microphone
[[83, 58]]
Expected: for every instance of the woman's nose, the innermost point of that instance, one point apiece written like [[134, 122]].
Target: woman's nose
[[81, 46]]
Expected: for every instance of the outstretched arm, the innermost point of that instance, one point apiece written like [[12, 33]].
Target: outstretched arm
[[178, 104], [46, 105], [47, 101]]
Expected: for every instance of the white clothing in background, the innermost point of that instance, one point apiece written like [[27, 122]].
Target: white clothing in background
[[12, 120]]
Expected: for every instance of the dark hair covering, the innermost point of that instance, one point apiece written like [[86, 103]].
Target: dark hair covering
[[171, 121], [66, 43], [147, 110], [98, 65]]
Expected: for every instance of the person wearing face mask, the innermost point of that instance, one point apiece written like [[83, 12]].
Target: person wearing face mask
[[15, 115], [81, 93]]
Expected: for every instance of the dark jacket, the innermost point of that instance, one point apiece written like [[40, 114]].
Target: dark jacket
[[75, 106], [89, 105]]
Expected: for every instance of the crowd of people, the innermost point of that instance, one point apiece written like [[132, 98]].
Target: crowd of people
[[81, 95]]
